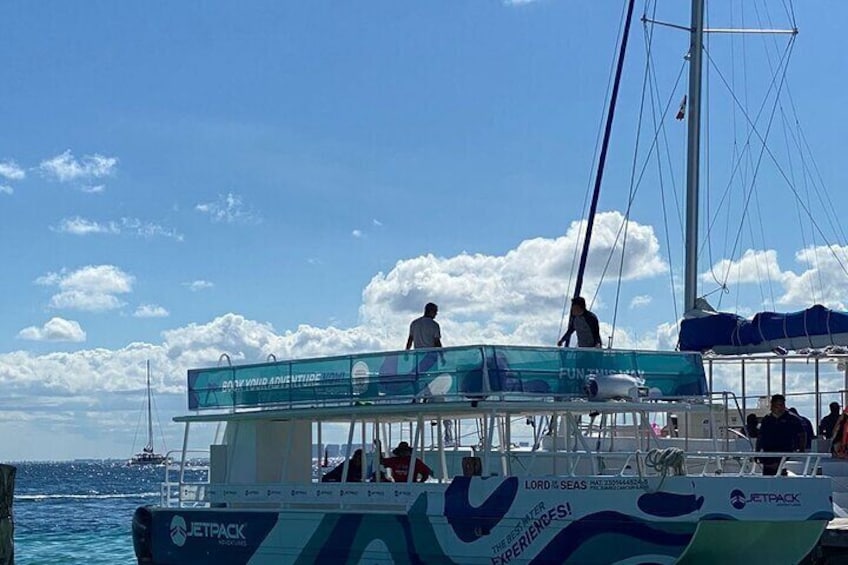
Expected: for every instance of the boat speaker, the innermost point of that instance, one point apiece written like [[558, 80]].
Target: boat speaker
[[618, 386]]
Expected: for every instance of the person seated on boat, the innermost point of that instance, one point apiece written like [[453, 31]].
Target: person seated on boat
[[808, 428], [399, 464], [780, 431], [828, 423], [752, 424], [585, 323], [354, 470]]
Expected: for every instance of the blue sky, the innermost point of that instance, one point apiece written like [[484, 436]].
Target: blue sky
[[179, 180]]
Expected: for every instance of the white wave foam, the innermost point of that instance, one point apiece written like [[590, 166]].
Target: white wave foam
[[37, 497]]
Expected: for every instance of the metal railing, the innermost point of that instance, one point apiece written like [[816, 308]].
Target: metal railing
[[638, 466], [180, 493]]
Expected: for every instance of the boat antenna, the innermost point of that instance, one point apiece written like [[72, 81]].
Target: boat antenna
[[599, 175]]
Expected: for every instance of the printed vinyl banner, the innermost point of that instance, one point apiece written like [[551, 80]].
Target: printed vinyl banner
[[456, 373]]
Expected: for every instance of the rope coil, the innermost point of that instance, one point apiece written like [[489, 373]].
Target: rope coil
[[664, 460]]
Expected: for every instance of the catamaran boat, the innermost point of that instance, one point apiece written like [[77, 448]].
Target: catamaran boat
[[568, 502], [600, 485], [148, 455]]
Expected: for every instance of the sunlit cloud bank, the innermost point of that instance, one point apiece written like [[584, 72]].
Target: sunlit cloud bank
[[822, 279], [514, 298], [525, 287]]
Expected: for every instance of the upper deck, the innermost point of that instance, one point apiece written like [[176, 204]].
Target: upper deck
[[494, 372]]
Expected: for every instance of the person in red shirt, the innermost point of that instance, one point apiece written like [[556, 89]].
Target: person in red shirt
[[399, 464]]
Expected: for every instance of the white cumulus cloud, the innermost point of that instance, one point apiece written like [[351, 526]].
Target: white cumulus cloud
[[151, 311], [519, 289], [56, 329], [821, 278], [92, 288], [10, 170], [66, 168], [511, 298], [6, 189]]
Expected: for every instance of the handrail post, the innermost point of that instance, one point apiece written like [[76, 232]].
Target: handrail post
[[818, 394], [490, 434], [346, 464], [182, 463], [727, 421], [486, 385], [441, 445]]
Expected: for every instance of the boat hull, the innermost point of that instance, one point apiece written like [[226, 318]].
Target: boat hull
[[499, 521]]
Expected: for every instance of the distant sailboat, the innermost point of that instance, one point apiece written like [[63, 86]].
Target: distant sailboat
[[148, 455]]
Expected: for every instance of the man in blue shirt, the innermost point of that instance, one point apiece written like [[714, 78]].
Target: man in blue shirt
[[780, 431]]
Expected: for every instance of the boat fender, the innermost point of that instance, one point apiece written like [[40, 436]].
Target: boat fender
[[142, 524], [615, 387]]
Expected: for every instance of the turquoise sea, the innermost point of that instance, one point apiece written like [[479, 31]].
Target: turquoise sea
[[80, 512]]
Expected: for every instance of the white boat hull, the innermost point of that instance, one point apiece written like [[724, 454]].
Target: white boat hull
[[549, 519]]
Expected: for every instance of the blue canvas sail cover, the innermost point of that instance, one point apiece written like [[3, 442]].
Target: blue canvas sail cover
[[726, 333]]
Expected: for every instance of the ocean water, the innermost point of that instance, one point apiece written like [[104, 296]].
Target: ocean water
[[80, 512]]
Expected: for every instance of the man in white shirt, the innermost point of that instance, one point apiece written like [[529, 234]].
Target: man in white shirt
[[424, 332]]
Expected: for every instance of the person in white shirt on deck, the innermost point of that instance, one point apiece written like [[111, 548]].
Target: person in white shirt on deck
[[424, 332]]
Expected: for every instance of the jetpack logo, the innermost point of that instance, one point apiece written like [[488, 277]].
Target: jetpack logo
[[231, 533], [178, 531], [739, 499]]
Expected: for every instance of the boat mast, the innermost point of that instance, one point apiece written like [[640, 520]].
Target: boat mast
[[149, 414], [693, 155], [602, 159]]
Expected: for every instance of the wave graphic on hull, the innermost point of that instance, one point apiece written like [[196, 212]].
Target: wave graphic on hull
[[607, 537], [471, 522]]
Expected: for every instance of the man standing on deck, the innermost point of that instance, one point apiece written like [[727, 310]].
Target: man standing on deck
[[829, 422], [780, 431], [424, 331], [808, 428], [585, 323]]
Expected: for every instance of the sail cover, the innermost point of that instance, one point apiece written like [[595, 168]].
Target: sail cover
[[726, 333]]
